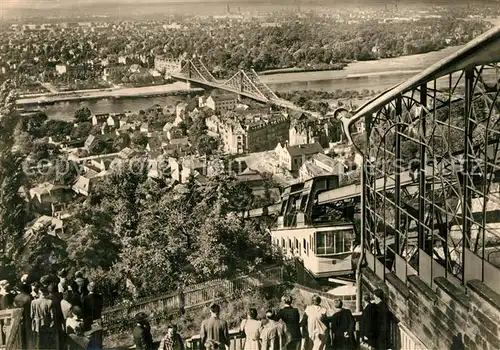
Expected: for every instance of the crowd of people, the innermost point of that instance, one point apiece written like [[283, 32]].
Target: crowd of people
[[285, 329], [58, 312]]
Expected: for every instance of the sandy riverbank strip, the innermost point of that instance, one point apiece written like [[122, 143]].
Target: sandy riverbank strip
[[177, 87]]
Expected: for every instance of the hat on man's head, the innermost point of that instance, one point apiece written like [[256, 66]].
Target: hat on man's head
[[141, 317], [379, 293]]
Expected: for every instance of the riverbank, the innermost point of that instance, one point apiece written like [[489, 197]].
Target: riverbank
[[386, 67], [297, 70], [177, 88]]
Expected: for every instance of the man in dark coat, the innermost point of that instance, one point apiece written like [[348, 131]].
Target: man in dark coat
[[23, 301], [92, 306], [58, 315], [79, 288], [367, 324], [342, 325], [214, 330], [291, 317], [142, 333], [374, 322]]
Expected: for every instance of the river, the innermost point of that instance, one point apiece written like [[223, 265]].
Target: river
[[372, 75]]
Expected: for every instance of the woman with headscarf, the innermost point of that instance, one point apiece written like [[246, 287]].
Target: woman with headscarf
[[251, 328]]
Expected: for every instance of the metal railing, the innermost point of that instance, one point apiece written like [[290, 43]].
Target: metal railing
[[235, 337]]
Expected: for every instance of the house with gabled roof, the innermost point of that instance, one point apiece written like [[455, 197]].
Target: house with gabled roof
[[91, 142], [292, 157]]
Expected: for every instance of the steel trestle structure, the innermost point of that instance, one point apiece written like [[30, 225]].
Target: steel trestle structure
[[431, 177], [244, 83]]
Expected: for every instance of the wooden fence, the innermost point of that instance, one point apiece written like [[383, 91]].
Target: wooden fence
[[192, 297], [11, 322]]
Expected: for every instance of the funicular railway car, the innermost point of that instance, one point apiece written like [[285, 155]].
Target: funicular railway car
[[310, 232]]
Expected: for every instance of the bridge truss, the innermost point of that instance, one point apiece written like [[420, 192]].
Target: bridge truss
[[245, 83], [442, 129]]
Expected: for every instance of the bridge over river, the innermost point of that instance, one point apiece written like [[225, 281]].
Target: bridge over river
[[244, 83]]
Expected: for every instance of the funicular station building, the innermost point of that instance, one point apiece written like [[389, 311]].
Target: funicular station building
[[430, 200]]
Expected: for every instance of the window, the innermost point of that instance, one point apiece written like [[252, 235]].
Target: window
[[304, 244], [333, 242]]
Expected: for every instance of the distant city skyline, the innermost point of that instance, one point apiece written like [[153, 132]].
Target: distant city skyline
[[69, 8]]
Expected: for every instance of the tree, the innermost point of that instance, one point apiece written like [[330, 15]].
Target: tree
[[82, 130], [121, 142], [94, 247], [23, 141], [138, 139], [42, 150], [66, 172], [206, 145], [57, 129], [12, 212], [83, 115], [33, 125]]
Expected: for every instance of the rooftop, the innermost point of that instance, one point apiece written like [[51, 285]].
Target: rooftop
[[305, 149]]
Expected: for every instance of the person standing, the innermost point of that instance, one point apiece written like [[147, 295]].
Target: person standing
[[6, 296], [42, 320], [23, 301], [342, 324], [79, 288], [75, 321], [373, 325], [66, 305], [367, 324], [62, 286], [142, 332], [291, 317], [251, 328], [172, 340], [214, 331], [313, 319], [6, 302], [74, 330], [272, 334], [58, 315], [92, 306], [35, 287]]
